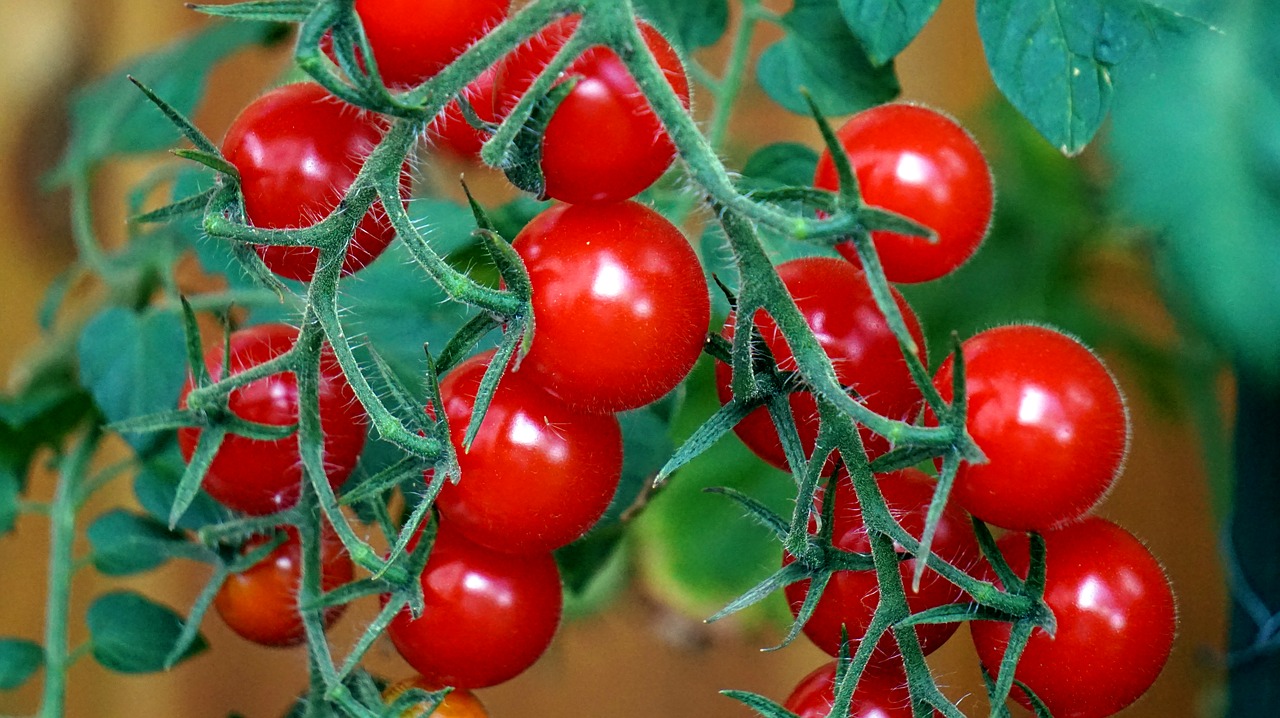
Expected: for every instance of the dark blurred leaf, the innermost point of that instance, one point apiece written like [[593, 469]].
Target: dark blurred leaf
[[129, 633], [133, 365], [885, 28], [19, 660], [125, 544], [1055, 60], [1197, 151], [689, 24], [41, 414], [111, 117], [696, 550], [820, 55]]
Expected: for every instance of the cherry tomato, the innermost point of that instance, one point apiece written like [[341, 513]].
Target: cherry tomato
[[412, 40], [881, 693], [457, 704], [488, 616], [628, 148], [851, 597], [836, 302], [539, 473], [261, 603], [1049, 418], [1115, 614], [262, 477], [452, 133], [298, 149], [619, 301], [921, 164]]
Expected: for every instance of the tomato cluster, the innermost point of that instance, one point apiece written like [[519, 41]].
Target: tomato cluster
[[619, 313], [1041, 407]]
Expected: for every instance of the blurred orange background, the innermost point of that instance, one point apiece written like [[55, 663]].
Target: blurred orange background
[[638, 658]]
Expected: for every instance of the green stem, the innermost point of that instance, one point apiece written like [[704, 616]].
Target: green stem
[[730, 85], [62, 534]]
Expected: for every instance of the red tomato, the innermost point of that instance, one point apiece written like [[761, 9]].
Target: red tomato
[[620, 304], [921, 164], [488, 615], [1116, 620], [628, 149], [1051, 421], [298, 150], [452, 133], [458, 704], [851, 597], [412, 40], [539, 473], [261, 603], [836, 302], [881, 693], [262, 477]]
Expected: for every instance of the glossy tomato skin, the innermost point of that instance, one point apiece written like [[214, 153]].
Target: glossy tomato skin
[[620, 304], [457, 704], [298, 149], [261, 477], [881, 693], [539, 473], [1051, 421], [851, 597], [1116, 620], [488, 616], [261, 603], [921, 164], [452, 133], [412, 40], [836, 302], [628, 148]]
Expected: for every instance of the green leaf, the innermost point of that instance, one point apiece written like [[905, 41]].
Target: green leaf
[[125, 544], [1207, 177], [820, 55], [129, 633], [886, 28], [699, 551], [19, 660], [689, 24], [1055, 60], [132, 365], [108, 117], [783, 164]]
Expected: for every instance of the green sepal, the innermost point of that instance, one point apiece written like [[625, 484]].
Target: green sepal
[[705, 436], [211, 160], [181, 208], [285, 11], [193, 134], [523, 161], [759, 704], [129, 633], [762, 514]]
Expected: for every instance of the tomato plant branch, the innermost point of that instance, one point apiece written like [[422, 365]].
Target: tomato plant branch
[[62, 531]]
